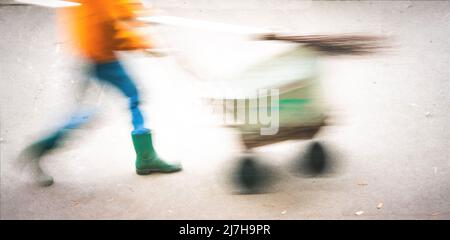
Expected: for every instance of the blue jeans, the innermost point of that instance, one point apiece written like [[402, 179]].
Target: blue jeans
[[112, 73]]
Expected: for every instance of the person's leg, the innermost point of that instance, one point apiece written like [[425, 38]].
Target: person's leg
[[114, 74], [147, 161], [35, 151], [77, 119]]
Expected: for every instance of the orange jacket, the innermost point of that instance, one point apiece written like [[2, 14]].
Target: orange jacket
[[97, 28]]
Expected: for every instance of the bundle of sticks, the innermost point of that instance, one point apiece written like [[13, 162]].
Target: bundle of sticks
[[335, 44]]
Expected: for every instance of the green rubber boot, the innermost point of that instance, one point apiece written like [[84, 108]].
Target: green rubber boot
[[147, 161], [32, 155]]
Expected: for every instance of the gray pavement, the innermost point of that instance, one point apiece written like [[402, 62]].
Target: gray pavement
[[390, 138]]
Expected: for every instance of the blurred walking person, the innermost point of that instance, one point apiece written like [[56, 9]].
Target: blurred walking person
[[98, 29]]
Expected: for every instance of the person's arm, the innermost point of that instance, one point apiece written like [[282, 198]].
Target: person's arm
[[130, 34]]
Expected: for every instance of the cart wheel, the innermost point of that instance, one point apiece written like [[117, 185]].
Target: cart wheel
[[251, 177], [315, 161]]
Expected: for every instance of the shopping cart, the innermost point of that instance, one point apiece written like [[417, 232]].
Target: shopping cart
[[299, 104], [286, 87]]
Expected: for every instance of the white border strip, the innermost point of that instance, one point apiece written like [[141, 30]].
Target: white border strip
[[50, 3]]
